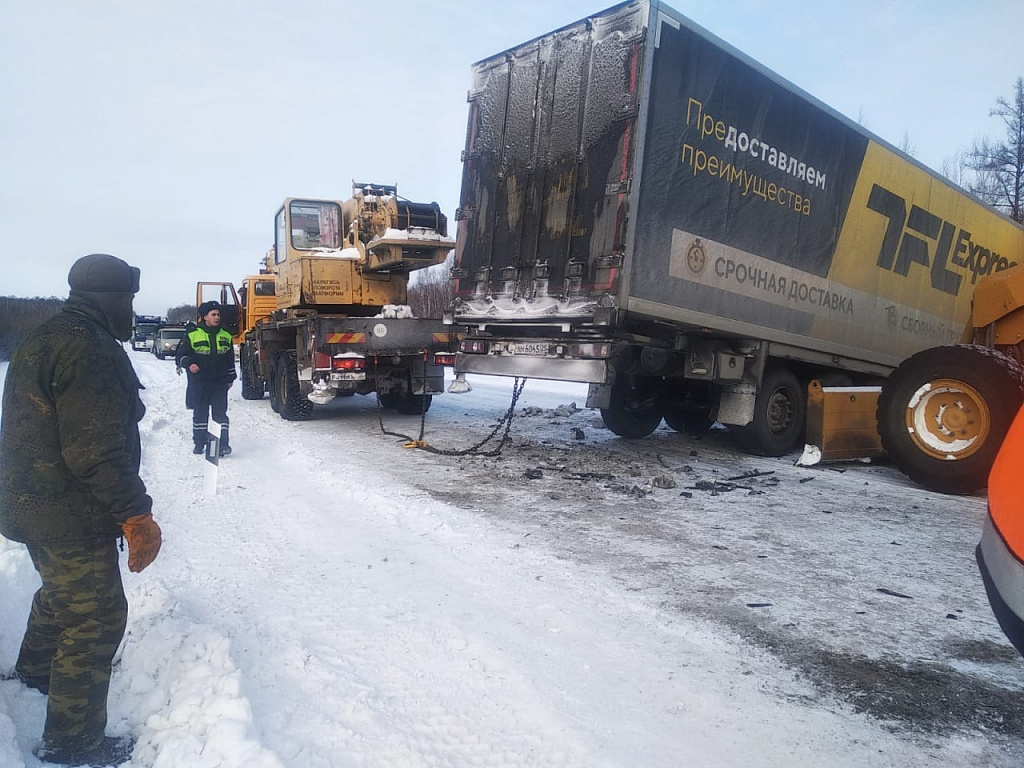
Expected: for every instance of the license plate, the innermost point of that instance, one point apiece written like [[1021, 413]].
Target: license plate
[[529, 348], [348, 377]]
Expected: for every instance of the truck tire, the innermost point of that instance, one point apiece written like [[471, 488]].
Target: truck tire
[[688, 421], [273, 386], [292, 404], [780, 410], [630, 413], [252, 385], [943, 414], [412, 405]]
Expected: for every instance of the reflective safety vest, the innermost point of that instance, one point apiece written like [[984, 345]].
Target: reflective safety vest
[[1001, 551], [199, 340]]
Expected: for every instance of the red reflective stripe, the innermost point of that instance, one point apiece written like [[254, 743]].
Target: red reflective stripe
[[346, 338], [1006, 488]]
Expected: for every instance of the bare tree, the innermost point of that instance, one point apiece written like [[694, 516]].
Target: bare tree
[[998, 166], [906, 147], [954, 168], [431, 292]]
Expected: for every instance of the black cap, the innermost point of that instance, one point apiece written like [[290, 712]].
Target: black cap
[[103, 273], [207, 307]]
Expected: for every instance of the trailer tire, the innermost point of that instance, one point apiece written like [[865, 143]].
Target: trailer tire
[[626, 415], [412, 405], [688, 421], [252, 385], [943, 414], [780, 410], [294, 406]]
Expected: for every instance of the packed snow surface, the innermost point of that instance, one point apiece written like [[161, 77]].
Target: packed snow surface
[[577, 601]]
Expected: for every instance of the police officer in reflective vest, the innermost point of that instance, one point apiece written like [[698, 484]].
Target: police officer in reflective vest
[[207, 353], [1001, 551]]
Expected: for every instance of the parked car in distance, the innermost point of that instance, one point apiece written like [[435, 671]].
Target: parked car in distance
[[166, 341]]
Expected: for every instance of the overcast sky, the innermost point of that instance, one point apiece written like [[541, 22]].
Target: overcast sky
[[168, 132]]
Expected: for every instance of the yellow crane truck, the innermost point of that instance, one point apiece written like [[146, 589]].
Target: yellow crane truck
[[328, 314], [648, 210]]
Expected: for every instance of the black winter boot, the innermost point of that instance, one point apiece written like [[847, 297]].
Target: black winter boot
[[109, 753]]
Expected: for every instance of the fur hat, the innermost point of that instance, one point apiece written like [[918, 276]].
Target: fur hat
[[103, 273], [207, 307]]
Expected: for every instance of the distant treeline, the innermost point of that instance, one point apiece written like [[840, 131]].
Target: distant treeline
[[429, 295], [19, 316]]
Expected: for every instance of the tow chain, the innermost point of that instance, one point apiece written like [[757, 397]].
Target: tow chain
[[473, 450]]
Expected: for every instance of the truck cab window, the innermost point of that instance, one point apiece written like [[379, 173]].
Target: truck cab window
[[315, 225]]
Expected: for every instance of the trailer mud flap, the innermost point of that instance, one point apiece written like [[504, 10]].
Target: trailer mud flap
[[426, 378], [841, 424]]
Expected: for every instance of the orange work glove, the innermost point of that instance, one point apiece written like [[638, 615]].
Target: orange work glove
[[143, 535]]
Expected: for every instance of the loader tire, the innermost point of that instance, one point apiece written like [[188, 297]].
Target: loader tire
[[780, 410], [252, 385], [632, 412], [943, 414], [293, 405]]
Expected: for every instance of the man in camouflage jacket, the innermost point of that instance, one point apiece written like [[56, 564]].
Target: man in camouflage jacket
[[69, 488]]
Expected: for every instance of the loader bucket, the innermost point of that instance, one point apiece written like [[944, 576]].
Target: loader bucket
[[841, 424]]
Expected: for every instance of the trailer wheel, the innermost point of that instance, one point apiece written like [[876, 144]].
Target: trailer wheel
[[293, 404], [780, 410], [943, 414], [252, 386], [688, 421], [412, 405], [631, 413]]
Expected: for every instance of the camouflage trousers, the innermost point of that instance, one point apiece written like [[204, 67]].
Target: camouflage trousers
[[77, 621]]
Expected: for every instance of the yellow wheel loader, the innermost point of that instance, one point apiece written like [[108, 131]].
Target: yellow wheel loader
[[941, 416]]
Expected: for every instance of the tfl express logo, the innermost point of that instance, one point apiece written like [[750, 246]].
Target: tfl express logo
[[921, 237]]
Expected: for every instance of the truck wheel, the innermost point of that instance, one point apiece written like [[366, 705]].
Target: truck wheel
[[630, 413], [273, 386], [412, 405], [388, 399], [252, 385], [779, 413], [943, 414], [688, 421], [292, 403]]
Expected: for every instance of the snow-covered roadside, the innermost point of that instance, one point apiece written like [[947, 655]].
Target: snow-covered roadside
[[327, 610]]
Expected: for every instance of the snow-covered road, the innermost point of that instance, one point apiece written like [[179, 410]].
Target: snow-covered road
[[345, 602]]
